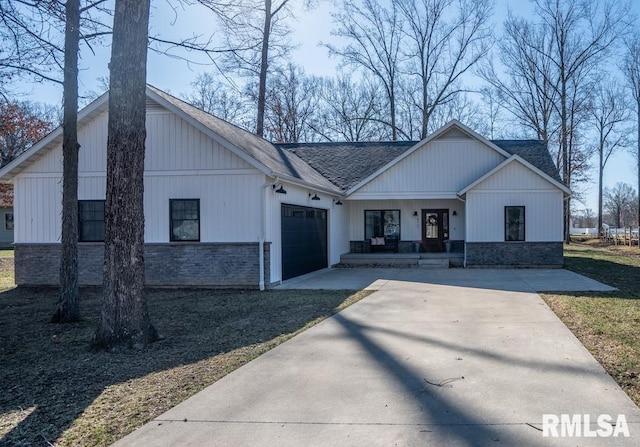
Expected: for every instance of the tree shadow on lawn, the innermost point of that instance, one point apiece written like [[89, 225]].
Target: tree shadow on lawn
[[49, 378], [625, 277]]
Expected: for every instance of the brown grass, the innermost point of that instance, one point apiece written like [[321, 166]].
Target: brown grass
[[606, 323], [56, 392]]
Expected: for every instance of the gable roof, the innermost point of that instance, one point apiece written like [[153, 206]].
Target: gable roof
[[332, 167], [346, 164], [453, 124], [351, 165], [256, 151], [503, 165]]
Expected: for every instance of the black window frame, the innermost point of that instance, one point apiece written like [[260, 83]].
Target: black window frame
[[171, 220], [83, 222], [8, 222], [507, 225], [382, 212]]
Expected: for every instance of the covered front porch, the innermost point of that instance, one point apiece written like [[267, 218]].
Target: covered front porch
[[413, 232]]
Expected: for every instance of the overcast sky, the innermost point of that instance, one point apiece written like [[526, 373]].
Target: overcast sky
[[310, 28]]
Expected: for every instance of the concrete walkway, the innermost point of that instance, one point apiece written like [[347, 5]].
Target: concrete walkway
[[533, 280], [474, 362]]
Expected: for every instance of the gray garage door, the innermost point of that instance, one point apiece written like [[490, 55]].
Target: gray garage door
[[304, 240]]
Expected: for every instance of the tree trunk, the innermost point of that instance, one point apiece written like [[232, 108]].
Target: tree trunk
[[638, 156], [600, 177], [124, 320], [566, 162], [69, 305], [264, 64]]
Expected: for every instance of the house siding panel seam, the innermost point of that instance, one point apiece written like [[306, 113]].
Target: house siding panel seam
[[233, 265], [514, 254]]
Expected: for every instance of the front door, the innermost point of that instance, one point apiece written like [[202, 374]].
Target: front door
[[435, 229]]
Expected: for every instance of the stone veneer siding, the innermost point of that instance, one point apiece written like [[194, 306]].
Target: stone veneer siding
[[514, 254], [197, 264]]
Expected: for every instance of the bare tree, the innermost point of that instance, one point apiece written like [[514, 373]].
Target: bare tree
[[34, 47], [348, 111], [124, 319], [445, 39], [373, 34], [631, 71], [493, 110], [292, 100], [609, 115], [30, 41], [68, 308], [563, 45], [619, 203], [525, 90], [583, 34], [219, 99], [256, 37]]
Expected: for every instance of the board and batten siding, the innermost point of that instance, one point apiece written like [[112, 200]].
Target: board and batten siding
[[438, 170], [515, 185], [229, 205], [337, 222], [181, 162]]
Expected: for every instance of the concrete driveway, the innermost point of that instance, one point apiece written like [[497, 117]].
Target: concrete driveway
[[474, 362]]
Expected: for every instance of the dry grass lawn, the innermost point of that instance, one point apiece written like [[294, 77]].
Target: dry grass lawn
[[606, 323], [56, 392]]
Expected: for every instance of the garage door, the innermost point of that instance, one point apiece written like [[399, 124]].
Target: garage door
[[304, 240]]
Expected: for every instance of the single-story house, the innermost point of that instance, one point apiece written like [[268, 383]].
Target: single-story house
[[225, 208]]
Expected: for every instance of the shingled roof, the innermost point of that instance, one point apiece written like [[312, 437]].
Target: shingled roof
[[533, 151], [347, 164]]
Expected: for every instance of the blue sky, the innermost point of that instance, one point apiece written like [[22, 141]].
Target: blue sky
[[310, 28]]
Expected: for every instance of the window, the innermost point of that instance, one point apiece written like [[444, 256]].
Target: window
[[91, 220], [8, 221], [185, 219], [382, 223], [514, 223]]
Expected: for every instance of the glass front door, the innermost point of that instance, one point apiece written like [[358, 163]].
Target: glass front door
[[435, 229]]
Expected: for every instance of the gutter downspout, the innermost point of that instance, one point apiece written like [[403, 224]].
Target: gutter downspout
[[263, 232]]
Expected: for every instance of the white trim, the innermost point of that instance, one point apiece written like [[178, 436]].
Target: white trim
[[524, 163], [200, 172], [451, 124], [53, 137], [312, 186], [193, 173], [514, 191], [413, 195]]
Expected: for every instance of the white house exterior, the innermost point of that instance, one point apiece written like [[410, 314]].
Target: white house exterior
[[217, 215]]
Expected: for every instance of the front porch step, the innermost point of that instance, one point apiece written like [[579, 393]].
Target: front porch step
[[434, 263]]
